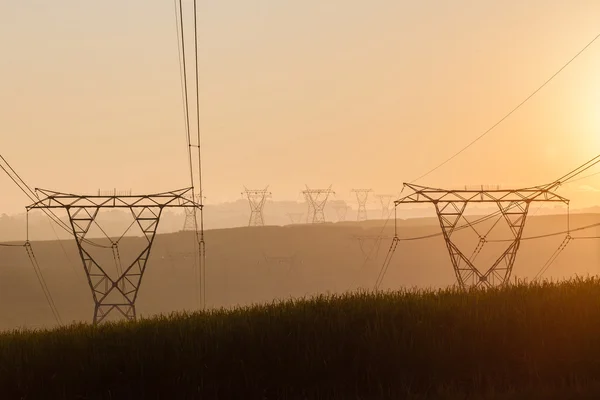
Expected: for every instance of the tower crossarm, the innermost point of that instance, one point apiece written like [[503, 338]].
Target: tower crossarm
[[317, 198], [257, 199], [450, 205], [114, 294], [423, 194], [177, 198]]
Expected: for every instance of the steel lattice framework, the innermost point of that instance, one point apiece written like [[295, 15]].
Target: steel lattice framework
[[386, 202], [369, 245], [310, 212], [362, 195], [317, 199], [341, 209], [114, 295], [295, 218], [450, 205], [257, 199], [191, 220]]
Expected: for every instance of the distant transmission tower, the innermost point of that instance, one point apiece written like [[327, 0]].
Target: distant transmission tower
[[295, 218], [190, 223], [369, 245], [386, 202], [362, 196], [317, 199], [257, 199], [309, 208], [341, 209]]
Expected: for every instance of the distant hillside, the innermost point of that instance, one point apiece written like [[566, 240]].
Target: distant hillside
[[257, 265], [230, 215]]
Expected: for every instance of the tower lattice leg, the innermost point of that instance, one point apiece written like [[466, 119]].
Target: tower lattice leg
[[114, 295], [467, 274]]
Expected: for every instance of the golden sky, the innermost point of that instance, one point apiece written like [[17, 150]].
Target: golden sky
[[344, 92]]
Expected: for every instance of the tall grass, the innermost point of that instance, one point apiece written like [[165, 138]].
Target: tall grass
[[426, 344]]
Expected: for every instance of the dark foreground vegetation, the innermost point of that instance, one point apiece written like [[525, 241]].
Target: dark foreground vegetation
[[526, 341]]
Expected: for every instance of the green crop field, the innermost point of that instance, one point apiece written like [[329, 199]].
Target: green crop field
[[524, 341]]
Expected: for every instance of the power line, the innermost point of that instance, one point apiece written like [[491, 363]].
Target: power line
[[578, 171], [201, 242], [562, 180], [33, 197], [481, 136], [582, 178], [183, 77], [200, 273], [553, 257], [42, 282], [567, 178]]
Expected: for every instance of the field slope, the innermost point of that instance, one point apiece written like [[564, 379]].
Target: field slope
[[523, 341]]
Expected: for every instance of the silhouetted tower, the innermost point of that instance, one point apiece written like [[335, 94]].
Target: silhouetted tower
[[369, 245], [341, 209], [317, 199], [113, 294], [257, 199], [309, 209], [513, 206], [191, 221], [295, 218], [362, 196], [386, 202]]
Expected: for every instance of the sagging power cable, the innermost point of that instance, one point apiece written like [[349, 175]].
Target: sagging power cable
[[33, 197], [512, 111], [197, 195], [42, 282]]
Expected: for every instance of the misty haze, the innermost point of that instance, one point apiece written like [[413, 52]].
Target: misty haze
[[299, 200]]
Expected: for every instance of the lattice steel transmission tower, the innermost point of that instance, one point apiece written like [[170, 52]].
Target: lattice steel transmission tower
[[113, 294], [450, 205], [309, 208], [362, 195], [191, 216], [317, 199], [341, 209], [257, 199], [295, 218], [369, 245], [386, 202]]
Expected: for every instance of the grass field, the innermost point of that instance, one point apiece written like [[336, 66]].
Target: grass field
[[525, 341]]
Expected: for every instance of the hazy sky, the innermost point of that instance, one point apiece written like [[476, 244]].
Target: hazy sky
[[353, 93]]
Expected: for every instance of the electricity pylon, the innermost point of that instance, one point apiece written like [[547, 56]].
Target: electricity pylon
[[257, 199], [191, 222], [295, 218], [369, 245], [309, 209], [317, 199], [362, 196], [386, 202], [341, 209], [450, 205], [113, 293]]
